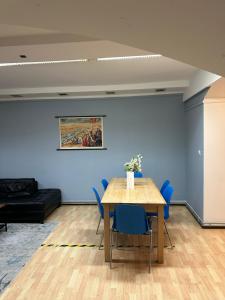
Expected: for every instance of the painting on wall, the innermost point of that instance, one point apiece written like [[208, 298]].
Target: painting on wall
[[81, 132]]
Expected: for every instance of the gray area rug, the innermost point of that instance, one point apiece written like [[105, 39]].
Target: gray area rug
[[17, 245]]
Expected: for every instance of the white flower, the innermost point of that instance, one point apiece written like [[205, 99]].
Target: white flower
[[135, 164]]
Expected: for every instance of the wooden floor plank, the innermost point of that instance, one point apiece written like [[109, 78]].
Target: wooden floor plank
[[194, 269]]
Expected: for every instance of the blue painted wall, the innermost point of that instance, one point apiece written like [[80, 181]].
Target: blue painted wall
[[194, 116], [152, 125]]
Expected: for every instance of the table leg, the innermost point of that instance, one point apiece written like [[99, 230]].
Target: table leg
[[106, 232], [160, 234]]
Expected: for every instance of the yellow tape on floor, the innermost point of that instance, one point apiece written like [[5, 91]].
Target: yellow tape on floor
[[70, 245], [89, 246]]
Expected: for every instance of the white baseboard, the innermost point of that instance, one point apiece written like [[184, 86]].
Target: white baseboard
[[193, 212], [201, 222], [178, 202], [213, 225]]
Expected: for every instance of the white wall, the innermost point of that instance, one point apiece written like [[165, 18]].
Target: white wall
[[214, 160]]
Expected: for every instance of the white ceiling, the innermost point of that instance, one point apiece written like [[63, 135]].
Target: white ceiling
[[90, 73], [46, 81], [190, 32]]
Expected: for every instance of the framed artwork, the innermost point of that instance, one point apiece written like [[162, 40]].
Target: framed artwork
[[81, 132]]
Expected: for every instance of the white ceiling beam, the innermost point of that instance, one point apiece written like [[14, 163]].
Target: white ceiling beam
[[199, 81], [98, 88]]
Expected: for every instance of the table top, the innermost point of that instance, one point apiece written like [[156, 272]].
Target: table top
[[145, 192]]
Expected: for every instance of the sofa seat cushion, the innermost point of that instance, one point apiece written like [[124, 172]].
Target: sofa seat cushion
[[21, 205], [47, 196], [42, 198], [18, 195]]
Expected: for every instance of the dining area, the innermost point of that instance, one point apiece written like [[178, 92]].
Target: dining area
[[130, 206], [133, 240]]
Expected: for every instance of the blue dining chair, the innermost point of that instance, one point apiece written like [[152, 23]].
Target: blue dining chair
[[167, 195], [105, 183], [164, 185], [131, 219], [101, 212], [138, 175]]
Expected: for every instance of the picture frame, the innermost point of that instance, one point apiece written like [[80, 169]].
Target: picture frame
[[81, 132]]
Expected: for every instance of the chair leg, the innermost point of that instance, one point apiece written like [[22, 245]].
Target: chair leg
[[150, 252], [171, 245], [116, 240], [100, 244], [110, 248], [98, 225]]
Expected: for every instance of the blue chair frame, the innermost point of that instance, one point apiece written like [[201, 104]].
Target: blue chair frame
[[167, 195], [138, 175], [131, 219], [105, 183], [164, 185], [101, 212]]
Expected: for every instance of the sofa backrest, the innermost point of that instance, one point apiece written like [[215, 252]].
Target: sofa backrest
[[17, 187]]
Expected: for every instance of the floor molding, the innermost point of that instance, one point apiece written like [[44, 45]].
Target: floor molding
[[197, 217], [194, 214], [180, 202], [213, 225]]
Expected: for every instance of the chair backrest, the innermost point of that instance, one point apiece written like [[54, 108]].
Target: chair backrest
[[164, 185], [138, 174], [167, 195], [105, 183], [100, 206], [130, 219]]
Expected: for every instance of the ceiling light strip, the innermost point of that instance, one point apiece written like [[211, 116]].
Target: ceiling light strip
[[80, 60], [43, 62], [128, 57]]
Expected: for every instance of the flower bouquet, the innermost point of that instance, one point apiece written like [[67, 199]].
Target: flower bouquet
[[131, 167]]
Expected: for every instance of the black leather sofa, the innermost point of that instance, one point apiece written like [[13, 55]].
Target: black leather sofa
[[25, 202]]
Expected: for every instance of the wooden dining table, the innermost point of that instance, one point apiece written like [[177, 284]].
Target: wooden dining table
[[145, 193]]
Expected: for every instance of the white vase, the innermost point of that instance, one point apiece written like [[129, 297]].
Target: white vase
[[130, 180]]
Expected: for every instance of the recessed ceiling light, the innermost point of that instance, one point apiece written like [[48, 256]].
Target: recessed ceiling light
[[160, 90], [110, 93], [62, 94], [128, 57], [16, 96], [18, 64]]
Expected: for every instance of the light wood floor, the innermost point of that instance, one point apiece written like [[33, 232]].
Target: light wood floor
[[194, 269]]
